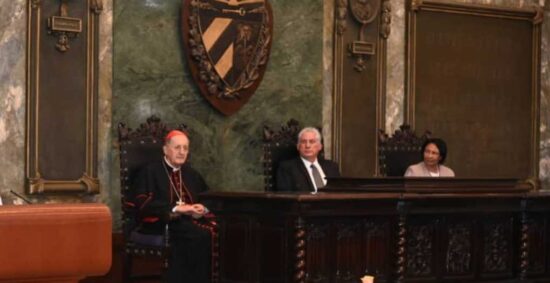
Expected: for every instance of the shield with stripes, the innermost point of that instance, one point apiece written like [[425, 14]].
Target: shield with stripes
[[227, 45]]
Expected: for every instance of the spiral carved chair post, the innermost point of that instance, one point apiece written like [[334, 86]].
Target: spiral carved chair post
[[300, 251], [401, 242], [524, 242]]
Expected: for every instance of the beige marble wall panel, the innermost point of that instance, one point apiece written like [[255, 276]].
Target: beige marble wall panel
[[395, 84], [107, 148], [544, 170], [12, 94]]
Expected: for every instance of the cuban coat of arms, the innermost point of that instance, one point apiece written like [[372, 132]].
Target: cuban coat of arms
[[227, 44]]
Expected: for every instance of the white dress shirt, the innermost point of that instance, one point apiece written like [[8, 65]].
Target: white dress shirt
[[315, 163]]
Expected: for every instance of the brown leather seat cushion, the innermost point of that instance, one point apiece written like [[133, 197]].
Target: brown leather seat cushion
[[54, 242]]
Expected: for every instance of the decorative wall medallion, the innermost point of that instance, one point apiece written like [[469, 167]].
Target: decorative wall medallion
[[227, 45], [64, 27], [364, 11]]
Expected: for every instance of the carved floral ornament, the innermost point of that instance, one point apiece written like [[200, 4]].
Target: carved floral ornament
[[65, 27], [227, 43], [364, 12]]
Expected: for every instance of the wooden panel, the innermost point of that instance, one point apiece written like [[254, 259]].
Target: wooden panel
[[235, 260], [61, 144], [272, 242], [359, 85], [473, 77], [318, 258], [339, 237]]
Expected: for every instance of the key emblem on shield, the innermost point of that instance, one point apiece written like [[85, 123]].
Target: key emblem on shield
[[227, 44]]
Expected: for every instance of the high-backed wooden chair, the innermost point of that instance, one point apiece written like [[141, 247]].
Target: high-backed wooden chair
[[279, 146], [138, 148], [399, 151]]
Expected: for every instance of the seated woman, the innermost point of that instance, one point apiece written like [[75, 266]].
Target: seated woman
[[434, 152]]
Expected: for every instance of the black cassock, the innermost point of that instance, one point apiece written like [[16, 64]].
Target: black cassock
[[191, 242]]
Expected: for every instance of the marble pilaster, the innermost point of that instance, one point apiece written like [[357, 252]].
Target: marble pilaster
[[12, 94]]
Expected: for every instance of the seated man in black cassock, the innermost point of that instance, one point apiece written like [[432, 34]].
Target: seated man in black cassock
[[306, 172], [167, 191]]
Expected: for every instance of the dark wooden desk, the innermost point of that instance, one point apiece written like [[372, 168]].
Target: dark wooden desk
[[471, 232]]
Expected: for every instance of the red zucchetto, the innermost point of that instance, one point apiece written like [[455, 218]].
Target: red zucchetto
[[174, 133]]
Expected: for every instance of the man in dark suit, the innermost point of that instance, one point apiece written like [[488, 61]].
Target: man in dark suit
[[306, 172], [167, 192]]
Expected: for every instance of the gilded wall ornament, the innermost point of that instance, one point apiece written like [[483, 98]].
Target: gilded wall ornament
[[364, 11], [35, 3], [96, 6], [385, 19], [64, 27], [227, 44], [341, 16]]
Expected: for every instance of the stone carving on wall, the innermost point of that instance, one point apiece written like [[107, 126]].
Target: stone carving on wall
[[227, 45]]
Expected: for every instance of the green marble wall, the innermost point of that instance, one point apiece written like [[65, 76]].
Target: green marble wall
[[150, 76]]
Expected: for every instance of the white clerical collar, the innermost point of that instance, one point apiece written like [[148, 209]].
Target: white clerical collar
[[174, 168]]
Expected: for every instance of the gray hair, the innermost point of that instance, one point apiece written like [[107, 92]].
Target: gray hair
[[310, 129]]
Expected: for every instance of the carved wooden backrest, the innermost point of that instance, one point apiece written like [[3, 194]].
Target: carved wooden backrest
[[399, 151], [137, 148], [278, 146]]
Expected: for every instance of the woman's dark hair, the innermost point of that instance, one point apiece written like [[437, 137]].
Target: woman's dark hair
[[440, 144]]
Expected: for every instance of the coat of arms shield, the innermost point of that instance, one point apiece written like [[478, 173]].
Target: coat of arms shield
[[227, 44]]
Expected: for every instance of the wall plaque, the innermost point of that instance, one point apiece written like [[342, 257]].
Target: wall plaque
[[473, 77], [227, 44], [361, 30], [61, 121]]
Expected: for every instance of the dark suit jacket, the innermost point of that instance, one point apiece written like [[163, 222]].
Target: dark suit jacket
[[292, 175], [152, 189]]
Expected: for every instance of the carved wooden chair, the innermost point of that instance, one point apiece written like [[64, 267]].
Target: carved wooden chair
[[398, 152], [279, 146], [138, 148]]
